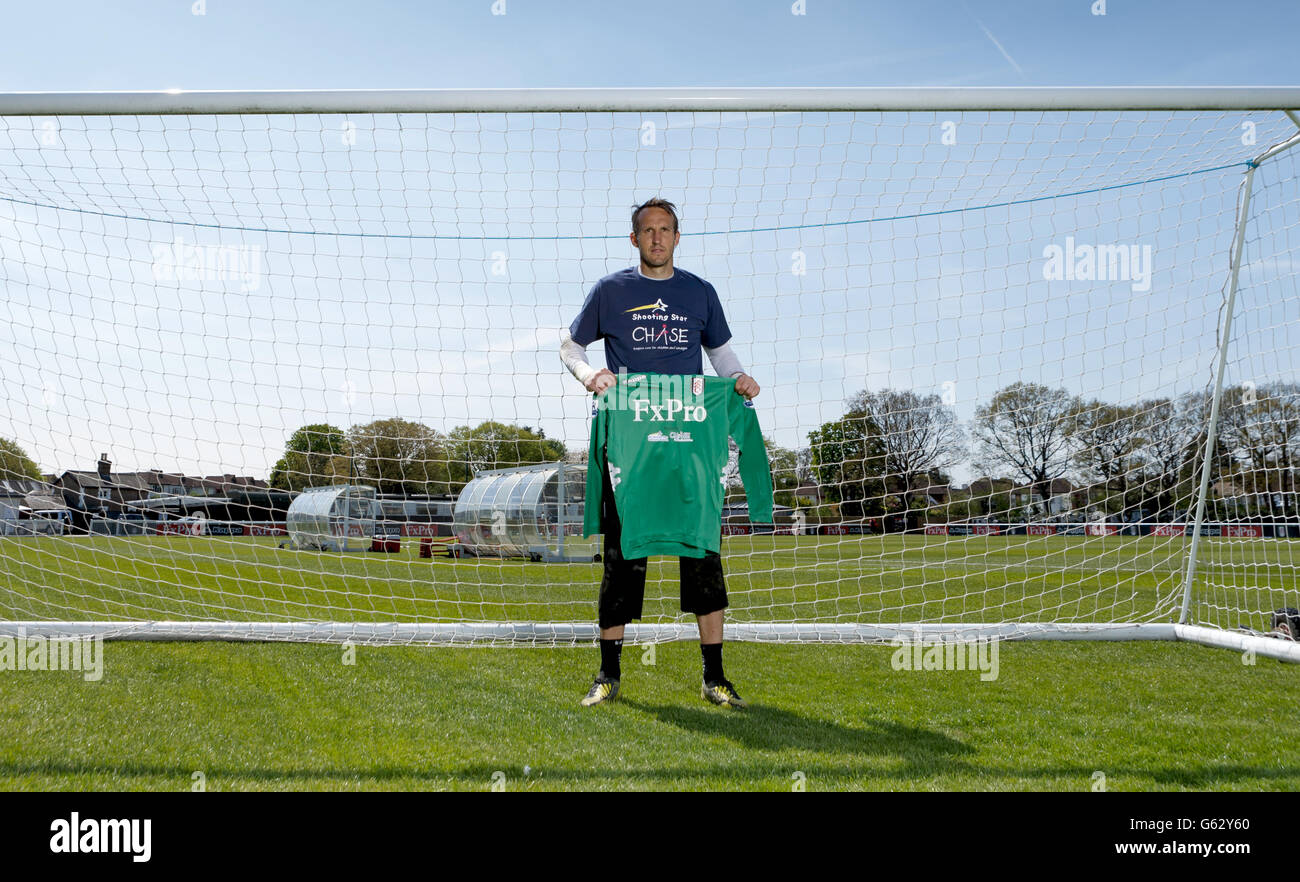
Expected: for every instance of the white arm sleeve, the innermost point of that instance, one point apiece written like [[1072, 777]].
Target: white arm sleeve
[[724, 361], [575, 358]]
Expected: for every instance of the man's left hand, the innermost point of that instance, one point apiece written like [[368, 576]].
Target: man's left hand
[[746, 386]]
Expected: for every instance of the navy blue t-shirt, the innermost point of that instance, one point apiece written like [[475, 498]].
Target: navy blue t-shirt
[[652, 325]]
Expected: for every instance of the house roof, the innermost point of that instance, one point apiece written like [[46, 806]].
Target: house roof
[[44, 502], [80, 479], [74, 479], [22, 486], [132, 480]]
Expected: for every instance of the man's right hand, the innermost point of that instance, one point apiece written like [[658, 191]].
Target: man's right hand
[[603, 380]]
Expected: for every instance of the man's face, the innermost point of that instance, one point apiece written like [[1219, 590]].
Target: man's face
[[656, 237]]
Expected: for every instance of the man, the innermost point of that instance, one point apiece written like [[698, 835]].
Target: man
[[689, 319]]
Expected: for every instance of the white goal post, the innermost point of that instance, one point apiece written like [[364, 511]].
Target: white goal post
[[1028, 357]]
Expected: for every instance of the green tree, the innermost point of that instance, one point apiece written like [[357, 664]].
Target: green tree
[[400, 456], [494, 445], [315, 455], [848, 460], [15, 463]]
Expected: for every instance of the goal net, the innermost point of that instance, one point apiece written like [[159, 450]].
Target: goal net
[[1027, 358]]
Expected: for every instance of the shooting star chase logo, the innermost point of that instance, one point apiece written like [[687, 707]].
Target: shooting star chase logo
[[667, 330]]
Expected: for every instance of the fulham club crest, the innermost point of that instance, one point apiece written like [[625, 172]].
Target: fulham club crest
[[697, 386]]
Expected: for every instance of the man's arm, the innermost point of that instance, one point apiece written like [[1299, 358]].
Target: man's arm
[[726, 364], [587, 329], [574, 357], [724, 360]]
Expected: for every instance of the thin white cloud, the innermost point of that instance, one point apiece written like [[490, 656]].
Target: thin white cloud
[[1005, 53]]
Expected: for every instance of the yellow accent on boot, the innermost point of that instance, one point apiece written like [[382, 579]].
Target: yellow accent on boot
[[722, 693], [601, 691]]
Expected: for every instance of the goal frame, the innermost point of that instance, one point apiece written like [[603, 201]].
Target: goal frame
[[1283, 99]]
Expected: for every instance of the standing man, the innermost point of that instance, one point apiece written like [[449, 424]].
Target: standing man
[[654, 319]]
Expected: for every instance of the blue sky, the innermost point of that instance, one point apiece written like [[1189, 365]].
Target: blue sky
[[336, 45], [211, 375]]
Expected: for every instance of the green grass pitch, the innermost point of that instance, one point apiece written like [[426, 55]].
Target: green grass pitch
[[287, 716]]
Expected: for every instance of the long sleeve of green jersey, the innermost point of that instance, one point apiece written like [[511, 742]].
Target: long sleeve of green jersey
[[662, 439], [595, 468], [755, 469]]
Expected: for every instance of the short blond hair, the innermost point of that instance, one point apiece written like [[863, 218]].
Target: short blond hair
[[654, 203]]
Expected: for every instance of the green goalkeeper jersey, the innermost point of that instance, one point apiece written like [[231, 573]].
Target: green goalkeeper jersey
[[663, 440]]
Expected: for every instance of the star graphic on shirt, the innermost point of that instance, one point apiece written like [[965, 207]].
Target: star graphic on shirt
[[656, 306]]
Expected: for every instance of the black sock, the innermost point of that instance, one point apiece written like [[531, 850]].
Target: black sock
[[712, 653], [610, 651]]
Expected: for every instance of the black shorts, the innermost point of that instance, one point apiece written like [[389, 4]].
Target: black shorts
[[622, 586]]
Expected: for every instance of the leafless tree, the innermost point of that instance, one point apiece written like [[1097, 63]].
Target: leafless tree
[[919, 435], [1026, 428], [1108, 445]]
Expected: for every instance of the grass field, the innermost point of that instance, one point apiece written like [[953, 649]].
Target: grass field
[[284, 716], [809, 579]]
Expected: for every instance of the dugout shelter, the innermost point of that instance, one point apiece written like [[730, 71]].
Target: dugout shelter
[[530, 511], [336, 518]]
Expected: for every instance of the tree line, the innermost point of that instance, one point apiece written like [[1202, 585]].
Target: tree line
[[889, 450], [404, 457], [1119, 459]]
